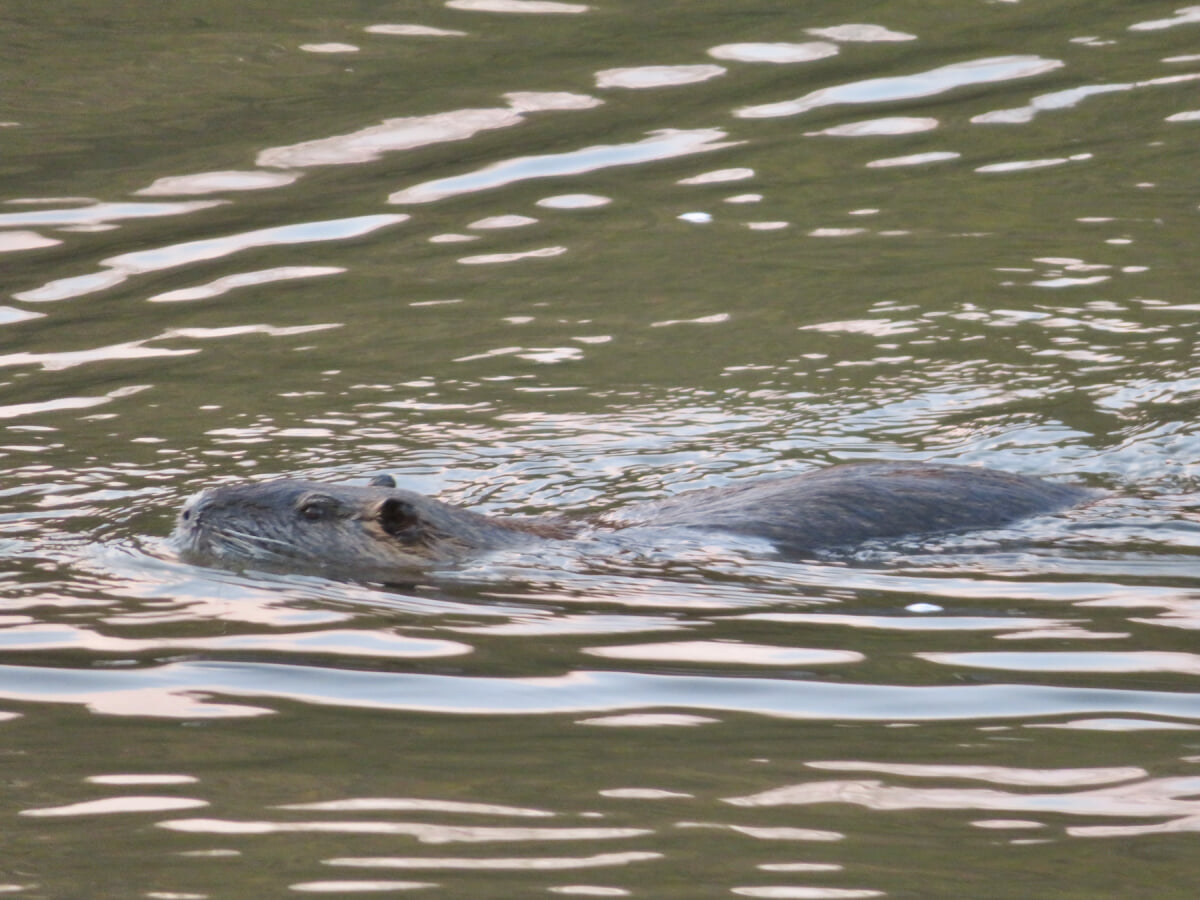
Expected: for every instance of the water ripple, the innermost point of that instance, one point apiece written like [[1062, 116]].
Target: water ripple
[[171, 691], [907, 87], [663, 144]]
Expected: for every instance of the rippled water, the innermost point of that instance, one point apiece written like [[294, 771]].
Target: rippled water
[[542, 257]]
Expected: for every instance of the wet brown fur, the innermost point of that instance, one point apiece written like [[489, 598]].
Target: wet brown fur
[[371, 531]]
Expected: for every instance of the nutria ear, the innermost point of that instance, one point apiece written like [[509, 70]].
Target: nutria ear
[[382, 481], [399, 518]]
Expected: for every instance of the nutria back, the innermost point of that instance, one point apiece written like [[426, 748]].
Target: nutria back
[[845, 505], [379, 530]]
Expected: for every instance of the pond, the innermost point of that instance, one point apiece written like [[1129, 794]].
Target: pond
[[555, 258]]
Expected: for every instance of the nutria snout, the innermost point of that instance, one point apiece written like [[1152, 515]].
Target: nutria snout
[[378, 530]]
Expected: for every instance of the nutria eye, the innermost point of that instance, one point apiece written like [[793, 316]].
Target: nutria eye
[[316, 508]]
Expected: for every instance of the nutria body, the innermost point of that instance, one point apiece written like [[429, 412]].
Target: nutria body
[[379, 530]]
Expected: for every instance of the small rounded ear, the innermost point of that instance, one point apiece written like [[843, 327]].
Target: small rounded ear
[[382, 481], [399, 518]]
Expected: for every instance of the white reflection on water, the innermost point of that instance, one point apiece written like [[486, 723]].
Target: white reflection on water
[[423, 832], [649, 720], [19, 410], [546, 624], [644, 794], [908, 87], [452, 238], [574, 201], [719, 176], [533, 354], [56, 362], [179, 690], [861, 33], [551, 7], [914, 159], [1057, 100], [663, 144], [409, 132], [10, 315], [356, 887], [774, 53], [729, 653], [1184, 16], [414, 31], [490, 258], [1115, 724], [217, 182], [532, 863], [656, 76], [1024, 165], [836, 232], [791, 892], [410, 804], [329, 48], [120, 268], [11, 241], [884, 126], [103, 213], [910, 623], [1173, 797], [712, 319], [503, 221], [111, 805], [783, 833], [1074, 661], [994, 774], [346, 642], [227, 283]]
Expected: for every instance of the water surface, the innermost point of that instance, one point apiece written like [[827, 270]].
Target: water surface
[[543, 257]]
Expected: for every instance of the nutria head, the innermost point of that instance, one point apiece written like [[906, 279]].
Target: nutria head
[[363, 532]]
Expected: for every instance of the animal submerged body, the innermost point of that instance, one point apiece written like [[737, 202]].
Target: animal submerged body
[[378, 531]]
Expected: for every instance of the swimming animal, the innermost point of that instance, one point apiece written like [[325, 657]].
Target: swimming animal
[[379, 531]]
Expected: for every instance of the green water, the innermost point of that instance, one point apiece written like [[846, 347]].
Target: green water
[[555, 259]]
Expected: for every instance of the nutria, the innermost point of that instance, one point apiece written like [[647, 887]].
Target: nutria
[[378, 530]]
